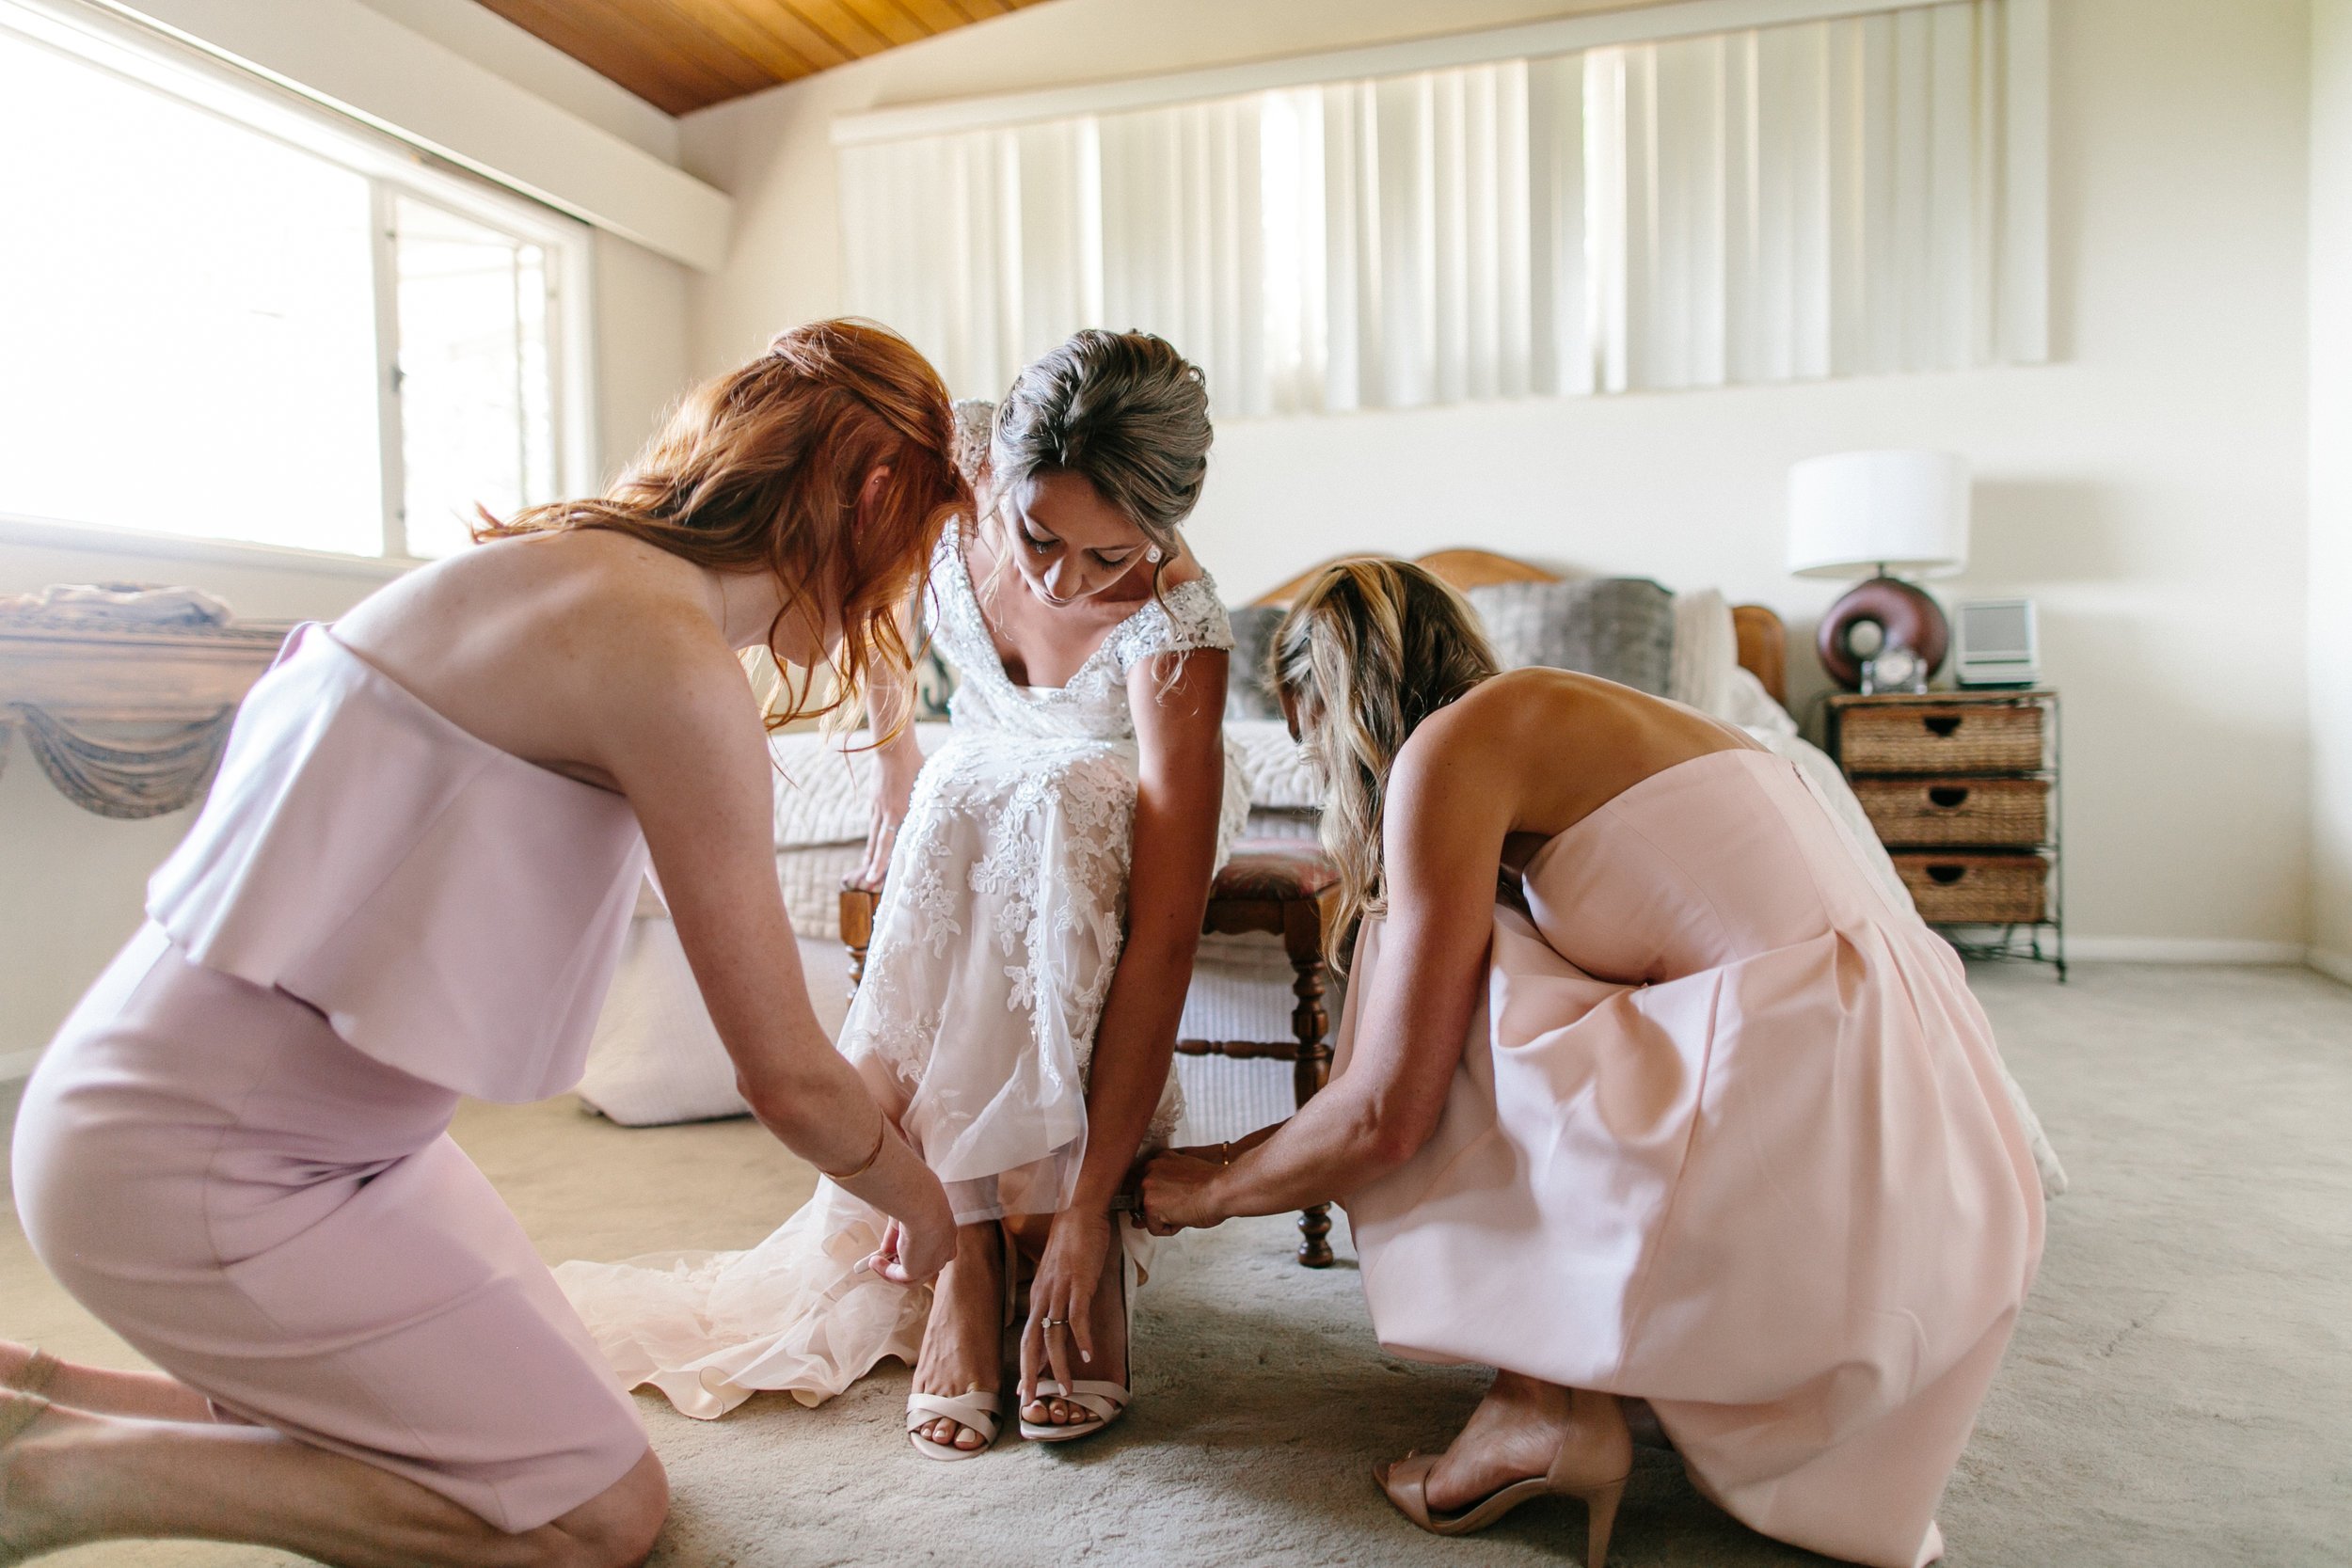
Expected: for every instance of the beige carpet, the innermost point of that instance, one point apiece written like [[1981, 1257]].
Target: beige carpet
[[2179, 1392]]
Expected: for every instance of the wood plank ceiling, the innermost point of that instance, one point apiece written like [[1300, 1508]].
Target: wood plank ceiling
[[685, 55]]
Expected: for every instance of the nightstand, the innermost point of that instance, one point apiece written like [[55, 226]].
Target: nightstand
[[1963, 789]]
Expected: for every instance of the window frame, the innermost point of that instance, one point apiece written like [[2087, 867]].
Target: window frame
[[392, 168]]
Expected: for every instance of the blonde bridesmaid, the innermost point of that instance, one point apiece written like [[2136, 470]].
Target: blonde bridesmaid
[[1694, 1114]]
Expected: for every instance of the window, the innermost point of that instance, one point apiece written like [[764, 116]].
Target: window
[[477, 411], [252, 328], [1836, 197]]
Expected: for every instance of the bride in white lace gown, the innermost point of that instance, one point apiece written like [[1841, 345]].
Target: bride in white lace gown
[[1047, 869]]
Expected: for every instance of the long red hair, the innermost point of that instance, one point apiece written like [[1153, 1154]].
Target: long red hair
[[762, 466]]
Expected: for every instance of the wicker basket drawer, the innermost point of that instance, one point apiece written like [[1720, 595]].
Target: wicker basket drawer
[[1933, 737], [1981, 813], [1965, 889]]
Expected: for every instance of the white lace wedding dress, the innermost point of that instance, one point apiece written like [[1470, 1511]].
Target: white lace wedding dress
[[993, 951]]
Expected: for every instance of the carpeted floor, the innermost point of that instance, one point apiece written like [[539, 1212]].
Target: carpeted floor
[[2180, 1391]]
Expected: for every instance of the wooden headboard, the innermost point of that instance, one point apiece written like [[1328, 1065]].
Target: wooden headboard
[[1763, 642]]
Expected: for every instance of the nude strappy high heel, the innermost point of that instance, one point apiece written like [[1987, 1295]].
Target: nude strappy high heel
[[982, 1411], [1105, 1402], [1592, 1464]]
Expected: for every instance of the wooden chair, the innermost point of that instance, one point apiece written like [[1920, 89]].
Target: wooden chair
[[1278, 886]]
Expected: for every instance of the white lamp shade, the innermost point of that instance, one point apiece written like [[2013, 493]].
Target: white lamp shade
[[1853, 511]]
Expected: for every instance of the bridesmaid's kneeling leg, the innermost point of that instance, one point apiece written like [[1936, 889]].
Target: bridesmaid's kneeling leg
[[70, 1477]]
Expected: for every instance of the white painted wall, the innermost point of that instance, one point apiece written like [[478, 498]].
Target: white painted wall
[[2331, 486], [71, 884], [2148, 489]]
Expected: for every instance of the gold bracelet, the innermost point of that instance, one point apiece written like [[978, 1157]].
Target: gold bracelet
[[882, 1136], [1224, 1155]]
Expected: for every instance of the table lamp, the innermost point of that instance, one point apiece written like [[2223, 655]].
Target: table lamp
[[1871, 515]]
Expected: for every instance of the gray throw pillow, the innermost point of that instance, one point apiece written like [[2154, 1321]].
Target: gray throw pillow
[[1249, 694], [1619, 629]]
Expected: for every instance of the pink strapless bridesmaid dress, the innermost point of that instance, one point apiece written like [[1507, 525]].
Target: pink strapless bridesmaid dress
[[1728, 1134], [235, 1153]]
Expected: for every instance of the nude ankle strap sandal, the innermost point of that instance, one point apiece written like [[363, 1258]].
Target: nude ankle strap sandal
[[1105, 1402], [982, 1411], [1407, 1483]]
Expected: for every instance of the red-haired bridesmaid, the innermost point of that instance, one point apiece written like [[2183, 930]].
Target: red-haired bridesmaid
[[411, 882]]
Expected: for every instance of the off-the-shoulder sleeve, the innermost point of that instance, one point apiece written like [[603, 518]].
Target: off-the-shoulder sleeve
[[1187, 617]]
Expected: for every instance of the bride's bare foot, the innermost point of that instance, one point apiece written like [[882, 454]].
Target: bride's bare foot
[[1515, 1433], [963, 1341]]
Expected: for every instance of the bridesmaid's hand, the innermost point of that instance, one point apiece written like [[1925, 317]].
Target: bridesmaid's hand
[[1176, 1193], [1076, 1249], [913, 1257]]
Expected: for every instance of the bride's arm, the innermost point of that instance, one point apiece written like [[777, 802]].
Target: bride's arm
[[1447, 811], [1179, 791], [1179, 705]]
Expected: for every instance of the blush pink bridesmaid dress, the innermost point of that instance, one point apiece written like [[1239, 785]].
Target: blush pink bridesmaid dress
[[1729, 1134], [235, 1153]]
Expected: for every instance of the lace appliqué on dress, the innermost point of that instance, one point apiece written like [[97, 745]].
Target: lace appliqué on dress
[[1000, 931]]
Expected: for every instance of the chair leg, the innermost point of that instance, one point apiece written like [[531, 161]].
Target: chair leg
[[1303, 940], [857, 930]]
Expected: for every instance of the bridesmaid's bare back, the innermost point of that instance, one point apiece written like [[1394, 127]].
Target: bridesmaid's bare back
[[532, 644], [1548, 747]]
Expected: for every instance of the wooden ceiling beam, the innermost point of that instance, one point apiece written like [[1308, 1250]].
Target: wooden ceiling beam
[[648, 60], [686, 54]]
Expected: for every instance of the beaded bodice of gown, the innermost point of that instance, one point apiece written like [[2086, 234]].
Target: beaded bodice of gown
[[1001, 924]]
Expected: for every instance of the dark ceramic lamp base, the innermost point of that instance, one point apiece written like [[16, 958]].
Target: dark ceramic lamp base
[[1905, 617]]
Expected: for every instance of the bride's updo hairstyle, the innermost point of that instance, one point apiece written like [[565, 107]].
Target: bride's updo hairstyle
[[761, 467], [1370, 648], [1123, 411]]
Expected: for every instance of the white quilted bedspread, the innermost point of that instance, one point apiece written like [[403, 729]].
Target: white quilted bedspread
[[822, 790]]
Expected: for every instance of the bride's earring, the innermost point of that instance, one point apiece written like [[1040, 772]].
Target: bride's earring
[[1152, 555]]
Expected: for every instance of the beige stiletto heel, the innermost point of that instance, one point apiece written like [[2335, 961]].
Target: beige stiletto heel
[[19, 1410], [34, 1377], [1597, 1446]]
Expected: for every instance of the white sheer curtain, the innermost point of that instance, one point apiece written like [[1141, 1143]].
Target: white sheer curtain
[[1819, 198]]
